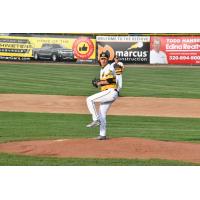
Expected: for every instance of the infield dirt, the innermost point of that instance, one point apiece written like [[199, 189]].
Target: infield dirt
[[130, 148], [133, 106]]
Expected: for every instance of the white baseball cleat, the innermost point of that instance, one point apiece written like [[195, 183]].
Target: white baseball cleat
[[93, 124], [101, 138]]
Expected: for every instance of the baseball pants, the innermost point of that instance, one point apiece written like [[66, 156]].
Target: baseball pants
[[119, 82], [105, 98]]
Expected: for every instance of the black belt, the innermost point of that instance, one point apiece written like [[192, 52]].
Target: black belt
[[117, 91], [114, 89]]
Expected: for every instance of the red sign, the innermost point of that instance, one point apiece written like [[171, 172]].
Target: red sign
[[83, 48], [175, 50]]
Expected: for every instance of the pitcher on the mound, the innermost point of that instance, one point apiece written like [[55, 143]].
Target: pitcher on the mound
[[106, 97]]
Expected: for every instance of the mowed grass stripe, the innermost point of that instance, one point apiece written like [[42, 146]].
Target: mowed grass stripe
[[33, 126], [163, 82], [41, 80], [20, 160], [76, 80]]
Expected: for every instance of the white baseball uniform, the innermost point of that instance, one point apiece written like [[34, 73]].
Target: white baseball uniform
[[106, 97], [118, 69]]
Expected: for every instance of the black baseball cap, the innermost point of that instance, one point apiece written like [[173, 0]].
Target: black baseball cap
[[104, 55]]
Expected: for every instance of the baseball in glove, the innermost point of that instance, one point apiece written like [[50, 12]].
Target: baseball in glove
[[94, 82]]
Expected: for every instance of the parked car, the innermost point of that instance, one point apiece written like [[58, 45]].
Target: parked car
[[54, 52]]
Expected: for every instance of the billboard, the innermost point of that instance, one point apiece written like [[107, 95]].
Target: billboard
[[130, 49], [175, 50], [42, 48]]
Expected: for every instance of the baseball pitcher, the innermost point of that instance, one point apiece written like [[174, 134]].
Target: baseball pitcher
[[106, 97]]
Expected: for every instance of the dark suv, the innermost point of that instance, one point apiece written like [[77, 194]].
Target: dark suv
[[54, 52]]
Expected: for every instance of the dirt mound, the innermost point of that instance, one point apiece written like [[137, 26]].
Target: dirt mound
[[130, 148]]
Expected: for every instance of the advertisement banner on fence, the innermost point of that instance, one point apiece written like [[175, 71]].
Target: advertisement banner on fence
[[44, 48], [130, 49], [175, 50]]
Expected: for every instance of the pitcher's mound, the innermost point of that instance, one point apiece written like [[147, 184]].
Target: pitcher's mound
[[130, 148]]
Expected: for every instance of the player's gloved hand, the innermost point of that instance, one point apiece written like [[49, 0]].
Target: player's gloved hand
[[94, 82]]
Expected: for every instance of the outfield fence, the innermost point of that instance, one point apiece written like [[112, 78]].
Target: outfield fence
[[86, 48]]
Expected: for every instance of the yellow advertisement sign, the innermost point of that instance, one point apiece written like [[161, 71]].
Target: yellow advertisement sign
[[44, 47]]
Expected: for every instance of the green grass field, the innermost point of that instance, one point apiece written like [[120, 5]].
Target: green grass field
[[18, 160], [31, 126], [76, 80]]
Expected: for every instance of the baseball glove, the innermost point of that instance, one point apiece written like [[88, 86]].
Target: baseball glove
[[94, 82]]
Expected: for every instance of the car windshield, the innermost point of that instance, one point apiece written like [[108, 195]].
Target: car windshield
[[57, 46], [46, 45]]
